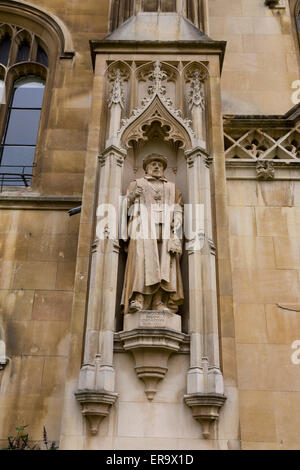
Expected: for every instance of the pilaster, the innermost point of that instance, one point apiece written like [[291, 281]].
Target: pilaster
[[204, 380]]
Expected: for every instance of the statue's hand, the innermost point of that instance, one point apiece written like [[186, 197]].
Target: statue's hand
[[174, 247], [139, 191], [136, 194]]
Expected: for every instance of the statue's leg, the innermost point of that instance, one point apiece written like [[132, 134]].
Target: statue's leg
[[160, 301], [172, 305], [136, 303]]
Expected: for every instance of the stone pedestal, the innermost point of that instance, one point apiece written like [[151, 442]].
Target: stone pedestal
[[152, 336]]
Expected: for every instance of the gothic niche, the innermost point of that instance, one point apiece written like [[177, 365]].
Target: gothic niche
[[151, 308], [155, 155], [155, 127]]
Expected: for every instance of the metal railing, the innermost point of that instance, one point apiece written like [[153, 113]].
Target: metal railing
[[16, 175]]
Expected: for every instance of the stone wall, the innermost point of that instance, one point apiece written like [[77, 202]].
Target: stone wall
[[261, 59], [264, 227], [38, 240], [38, 254]]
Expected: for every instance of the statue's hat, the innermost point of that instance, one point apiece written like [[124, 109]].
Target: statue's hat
[[153, 158]]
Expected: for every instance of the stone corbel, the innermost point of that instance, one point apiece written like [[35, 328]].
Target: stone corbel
[[152, 337], [207, 402], [95, 407], [205, 409], [96, 392]]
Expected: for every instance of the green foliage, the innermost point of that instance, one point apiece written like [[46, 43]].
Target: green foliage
[[22, 441]]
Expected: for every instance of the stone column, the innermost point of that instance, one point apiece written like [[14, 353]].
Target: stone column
[[97, 376], [205, 389]]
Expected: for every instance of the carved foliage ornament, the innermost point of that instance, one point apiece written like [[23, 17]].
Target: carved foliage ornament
[[196, 94], [163, 111], [117, 76], [265, 170], [196, 77]]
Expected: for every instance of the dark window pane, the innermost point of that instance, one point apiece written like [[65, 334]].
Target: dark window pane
[[150, 5], [22, 127], [28, 94], [4, 49], [42, 57], [168, 5], [23, 52], [18, 156]]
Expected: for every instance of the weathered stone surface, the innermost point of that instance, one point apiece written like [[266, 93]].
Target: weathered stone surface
[[44, 270]]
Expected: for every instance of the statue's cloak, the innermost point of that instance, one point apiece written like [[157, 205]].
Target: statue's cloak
[[149, 268]]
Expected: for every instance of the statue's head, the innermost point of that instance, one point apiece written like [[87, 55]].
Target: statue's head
[[155, 165]]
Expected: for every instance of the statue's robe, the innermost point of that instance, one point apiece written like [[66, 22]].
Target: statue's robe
[[150, 266]]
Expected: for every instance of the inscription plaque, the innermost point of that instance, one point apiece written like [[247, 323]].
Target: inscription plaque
[[153, 320]]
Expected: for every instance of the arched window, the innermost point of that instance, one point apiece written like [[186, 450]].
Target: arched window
[[163, 6], [21, 129], [23, 73]]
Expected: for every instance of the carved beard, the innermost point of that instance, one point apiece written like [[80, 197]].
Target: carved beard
[[154, 174]]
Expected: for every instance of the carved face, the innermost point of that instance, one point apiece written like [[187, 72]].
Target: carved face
[[155, 169]]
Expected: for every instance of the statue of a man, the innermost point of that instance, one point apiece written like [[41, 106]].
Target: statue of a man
[[153, 278]]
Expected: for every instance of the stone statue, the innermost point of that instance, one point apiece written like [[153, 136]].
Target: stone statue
[[153, 278]]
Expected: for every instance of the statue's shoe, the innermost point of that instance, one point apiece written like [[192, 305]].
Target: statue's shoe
[[135, 307], [161, 308]]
